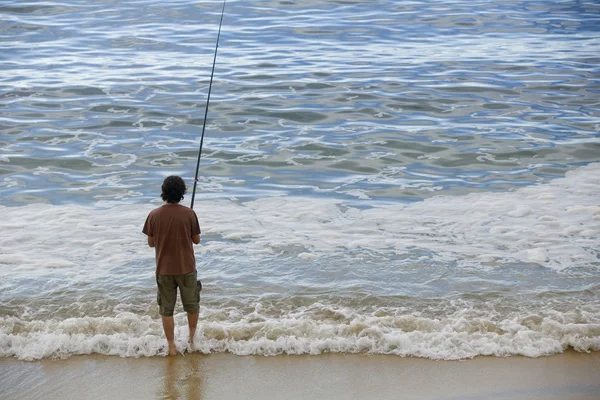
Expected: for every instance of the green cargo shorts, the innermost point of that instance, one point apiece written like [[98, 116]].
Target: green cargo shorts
[[167, 293]]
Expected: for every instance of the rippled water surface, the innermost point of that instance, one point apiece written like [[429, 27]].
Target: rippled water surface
[[415, 178], [372, 99]]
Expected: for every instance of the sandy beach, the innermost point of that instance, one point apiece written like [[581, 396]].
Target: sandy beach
[[335, 376]]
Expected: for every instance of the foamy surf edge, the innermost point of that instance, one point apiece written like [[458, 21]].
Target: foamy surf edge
[[455, 337], [555, 225]]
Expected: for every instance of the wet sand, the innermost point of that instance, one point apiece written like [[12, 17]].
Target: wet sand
[[333, 376]]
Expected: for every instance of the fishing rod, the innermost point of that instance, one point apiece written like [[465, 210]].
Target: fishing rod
[[206, 110]]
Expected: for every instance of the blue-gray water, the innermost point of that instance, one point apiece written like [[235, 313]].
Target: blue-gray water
[[415, 178]]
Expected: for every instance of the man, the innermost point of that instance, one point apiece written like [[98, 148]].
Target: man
[[172, 230]]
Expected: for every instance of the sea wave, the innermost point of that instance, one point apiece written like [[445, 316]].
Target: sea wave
[[555, 225], [315, 330]]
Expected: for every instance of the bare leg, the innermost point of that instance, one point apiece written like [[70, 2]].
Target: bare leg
[[192, 323], [169, 327]]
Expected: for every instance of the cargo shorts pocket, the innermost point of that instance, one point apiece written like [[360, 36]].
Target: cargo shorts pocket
[[189, 292], [158, 298], [189, 280]]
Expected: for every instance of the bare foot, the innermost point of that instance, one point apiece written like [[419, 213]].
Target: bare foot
[[191, 338], [172, 350]]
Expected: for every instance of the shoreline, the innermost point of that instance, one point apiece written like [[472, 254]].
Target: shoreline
[[569, 375]]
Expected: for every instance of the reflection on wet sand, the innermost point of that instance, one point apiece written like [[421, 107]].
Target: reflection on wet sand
[[183, 378], [332, 377]]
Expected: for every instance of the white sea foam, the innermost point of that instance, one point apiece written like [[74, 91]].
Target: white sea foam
[[555, 225], [308, 331]]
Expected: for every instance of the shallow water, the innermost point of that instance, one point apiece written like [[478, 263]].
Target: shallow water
[[413, 178]]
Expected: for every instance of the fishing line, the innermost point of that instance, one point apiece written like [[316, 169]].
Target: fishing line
[[206, 110]]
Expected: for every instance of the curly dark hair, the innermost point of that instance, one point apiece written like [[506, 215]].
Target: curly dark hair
[[173, 188]]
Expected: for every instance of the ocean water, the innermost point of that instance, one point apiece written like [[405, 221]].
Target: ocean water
[[419, 178]]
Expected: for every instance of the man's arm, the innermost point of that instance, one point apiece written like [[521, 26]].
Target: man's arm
[[150, 241], [195, 239]]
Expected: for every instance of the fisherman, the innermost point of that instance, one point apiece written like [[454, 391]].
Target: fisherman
[[172, 230]]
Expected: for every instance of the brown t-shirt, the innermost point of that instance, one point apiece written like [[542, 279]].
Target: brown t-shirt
[[172, 227]]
